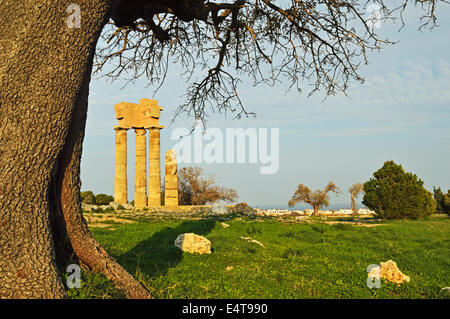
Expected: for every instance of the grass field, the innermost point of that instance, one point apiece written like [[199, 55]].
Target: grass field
[[300, 260]]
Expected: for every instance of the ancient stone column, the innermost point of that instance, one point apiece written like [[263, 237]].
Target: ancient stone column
[[140, 176], [154, 168], [171, 180], [120, 173]]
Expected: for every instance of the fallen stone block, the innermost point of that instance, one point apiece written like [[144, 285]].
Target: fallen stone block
[[192, 243]]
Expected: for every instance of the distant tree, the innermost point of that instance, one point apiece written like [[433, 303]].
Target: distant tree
[[395, 194], [103, 199], [316, 199], [447, 203], [88, 197], [355, 190], [439, 197], [193, 189], [442, 201]]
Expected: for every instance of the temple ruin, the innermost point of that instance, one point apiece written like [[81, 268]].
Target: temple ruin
[[142, 117]]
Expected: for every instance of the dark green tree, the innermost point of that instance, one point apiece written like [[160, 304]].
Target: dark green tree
[[103, 199], [395, 194], [88, 197], [447, 203], [439, 197]]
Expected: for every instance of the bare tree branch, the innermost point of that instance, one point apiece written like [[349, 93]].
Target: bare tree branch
[[321, 43]]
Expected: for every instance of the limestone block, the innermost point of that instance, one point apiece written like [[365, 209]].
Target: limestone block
[[219, 209], [389, 271], [143, 115], [192, 243], [171, 180], [171, 193]]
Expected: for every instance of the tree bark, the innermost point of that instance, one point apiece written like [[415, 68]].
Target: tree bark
[[353, 206], [316, 210], [45, 71]]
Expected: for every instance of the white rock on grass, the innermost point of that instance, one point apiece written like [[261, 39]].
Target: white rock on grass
[[192, 243], [389, 271], [251, 240]]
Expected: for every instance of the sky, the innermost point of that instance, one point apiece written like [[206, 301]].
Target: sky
[[400, 113]]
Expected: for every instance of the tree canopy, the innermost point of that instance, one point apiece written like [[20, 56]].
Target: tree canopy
[[393, 194], [316, 199], [442, 201], [194, 189], [355, 190], [321, 43]]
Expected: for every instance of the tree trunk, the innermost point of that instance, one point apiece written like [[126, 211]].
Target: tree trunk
[[45, 71], [316, 210], [353, 206]]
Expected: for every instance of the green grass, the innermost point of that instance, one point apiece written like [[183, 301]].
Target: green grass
[[298, 261]]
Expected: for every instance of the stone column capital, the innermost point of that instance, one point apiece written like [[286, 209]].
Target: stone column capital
[[140, 131]]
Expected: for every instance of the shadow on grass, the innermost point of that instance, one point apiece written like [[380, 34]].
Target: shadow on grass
[[155, 255]]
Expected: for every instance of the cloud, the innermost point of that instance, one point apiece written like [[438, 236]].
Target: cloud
[[414, 91], [360, 131]]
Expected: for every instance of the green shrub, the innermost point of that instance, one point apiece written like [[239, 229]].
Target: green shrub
[[103, 199], [396, 194], [442, 201], [88, 197], [447, 202]]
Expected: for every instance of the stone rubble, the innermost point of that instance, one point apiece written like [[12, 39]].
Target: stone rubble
[[192, 243], [389, 271]]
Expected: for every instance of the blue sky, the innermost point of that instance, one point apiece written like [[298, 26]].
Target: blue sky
[[400, 113]]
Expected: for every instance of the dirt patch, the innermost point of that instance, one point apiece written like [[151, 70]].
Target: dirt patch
[[353, 224], [101, 219], [100, 225]]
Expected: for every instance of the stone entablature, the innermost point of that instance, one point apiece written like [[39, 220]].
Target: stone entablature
[[143, 115]]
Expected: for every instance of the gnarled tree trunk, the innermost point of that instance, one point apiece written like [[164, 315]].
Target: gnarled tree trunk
[[316, 210], [45, 69]]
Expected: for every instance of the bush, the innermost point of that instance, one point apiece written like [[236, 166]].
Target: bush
[[88, 197], [447, 202], [442, 201], [396, 194], [103, 199]]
